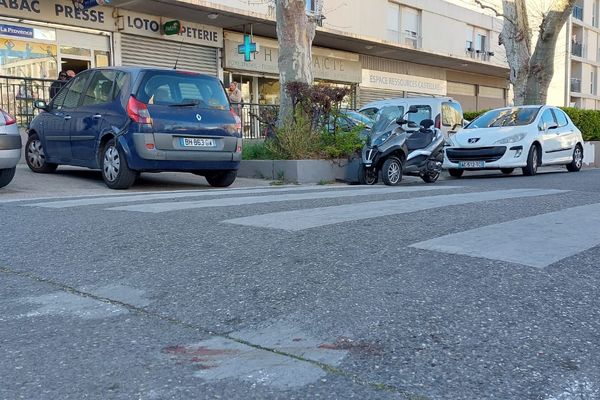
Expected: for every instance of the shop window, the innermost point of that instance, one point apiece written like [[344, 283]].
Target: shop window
[[100, 89], [75, 51], [28, 59]]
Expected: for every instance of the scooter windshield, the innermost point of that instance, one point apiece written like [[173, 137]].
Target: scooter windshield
[[386, 117]]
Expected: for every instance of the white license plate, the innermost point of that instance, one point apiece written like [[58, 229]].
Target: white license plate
[[197, 142], [471, 164]]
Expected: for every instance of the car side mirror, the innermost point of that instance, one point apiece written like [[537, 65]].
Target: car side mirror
[[40, 105]]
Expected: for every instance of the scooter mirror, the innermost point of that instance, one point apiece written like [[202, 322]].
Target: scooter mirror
[[401, 121]]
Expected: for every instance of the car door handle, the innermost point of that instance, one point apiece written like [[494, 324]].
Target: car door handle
[[97, 116], [68, 117]]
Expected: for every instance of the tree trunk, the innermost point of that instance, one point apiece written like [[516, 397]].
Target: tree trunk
[[541, 65], [516, 38], [295, 34]]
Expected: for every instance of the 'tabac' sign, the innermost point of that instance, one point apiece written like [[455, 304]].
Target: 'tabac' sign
[[93, 3]]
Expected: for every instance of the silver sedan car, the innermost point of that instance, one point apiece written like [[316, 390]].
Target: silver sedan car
[[10, 147]]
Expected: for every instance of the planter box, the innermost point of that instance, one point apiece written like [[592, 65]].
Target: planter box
[[297, 171], [591, 154]]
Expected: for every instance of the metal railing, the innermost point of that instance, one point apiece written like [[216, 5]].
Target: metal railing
[[18, 94], [578, 13], [256, 119], [575, 85]]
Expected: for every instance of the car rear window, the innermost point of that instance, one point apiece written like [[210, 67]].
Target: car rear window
[[171, 88]]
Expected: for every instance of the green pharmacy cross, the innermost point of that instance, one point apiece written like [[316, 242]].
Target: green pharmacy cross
[[248, 48]]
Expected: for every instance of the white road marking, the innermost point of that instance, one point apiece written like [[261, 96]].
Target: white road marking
[[298, 220], [139, 197], [537, 241], [239, 201]]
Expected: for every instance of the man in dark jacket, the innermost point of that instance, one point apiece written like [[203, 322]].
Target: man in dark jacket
[[58, 84]]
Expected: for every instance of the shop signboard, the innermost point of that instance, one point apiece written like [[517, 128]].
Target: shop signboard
[[151, 26], [400, 82], [329, 65], [172, 27], [18, 31]]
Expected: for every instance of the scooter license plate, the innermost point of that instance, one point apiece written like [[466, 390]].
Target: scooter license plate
[[471, 164]]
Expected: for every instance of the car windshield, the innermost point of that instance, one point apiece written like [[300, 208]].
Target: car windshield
[[386, 117], [358, 118], [177, 88], [516, 116]]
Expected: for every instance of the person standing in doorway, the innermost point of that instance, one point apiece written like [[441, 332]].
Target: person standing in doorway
[[70, 74], [58, 84]]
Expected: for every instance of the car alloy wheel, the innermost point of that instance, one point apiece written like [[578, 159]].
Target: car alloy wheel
[[578, 157], [112, 163]]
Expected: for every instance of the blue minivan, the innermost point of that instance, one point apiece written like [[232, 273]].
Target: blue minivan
[[127, 120]]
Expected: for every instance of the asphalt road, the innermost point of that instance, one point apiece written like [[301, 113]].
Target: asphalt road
[[480, 288]]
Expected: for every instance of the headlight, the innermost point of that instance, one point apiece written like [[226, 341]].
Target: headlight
[[382, 139], [512, 139]]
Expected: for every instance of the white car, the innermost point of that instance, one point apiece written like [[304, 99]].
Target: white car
[[10, 148], [516, 137]]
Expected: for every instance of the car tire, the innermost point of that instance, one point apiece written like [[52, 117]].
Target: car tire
[[507, 171], [115, 171], [6, 176], [533, 161], [391, 172], [577, 163], [221, 178], [35, 156], [367, 176], [456, 173]]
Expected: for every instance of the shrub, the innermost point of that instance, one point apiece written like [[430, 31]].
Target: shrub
[[295, 139], [342, 144], [588, 121], [256, 150], [471, 115]]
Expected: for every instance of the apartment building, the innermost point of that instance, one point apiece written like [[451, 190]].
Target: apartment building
[[377, 48], [577, 62]]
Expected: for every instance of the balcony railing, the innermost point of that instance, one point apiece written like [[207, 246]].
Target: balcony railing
[[18, 94], [578, 13], [577, 49], [575, 85]]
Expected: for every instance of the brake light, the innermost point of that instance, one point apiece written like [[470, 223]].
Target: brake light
[[8, 119], [438, 122], [138, 111]]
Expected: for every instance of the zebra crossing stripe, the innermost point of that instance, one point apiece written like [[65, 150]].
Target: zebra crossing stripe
[[537, 241], [140, 197], [298, 220], [240, 201]]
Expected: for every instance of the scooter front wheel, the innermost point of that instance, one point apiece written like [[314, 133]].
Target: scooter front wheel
[[391, 172], [367, 176]]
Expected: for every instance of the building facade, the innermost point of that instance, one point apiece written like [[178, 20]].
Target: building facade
[[378, 49], [577, 62]]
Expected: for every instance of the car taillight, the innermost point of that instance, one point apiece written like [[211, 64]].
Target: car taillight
[[438, 122], [8, 119], [138, 111]]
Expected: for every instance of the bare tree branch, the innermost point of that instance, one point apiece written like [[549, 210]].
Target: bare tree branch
[[494, 10]]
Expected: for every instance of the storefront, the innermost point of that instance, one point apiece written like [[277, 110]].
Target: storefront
[[477, 92], [141, 42], [259, 78], [31, 48]]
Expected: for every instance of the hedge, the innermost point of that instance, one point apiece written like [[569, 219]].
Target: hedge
[[588, 121]]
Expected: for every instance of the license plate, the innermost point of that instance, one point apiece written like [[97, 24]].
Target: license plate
[[197, 142], [471, 164]]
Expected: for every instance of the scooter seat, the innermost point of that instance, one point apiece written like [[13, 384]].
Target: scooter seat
[[419, 139]]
